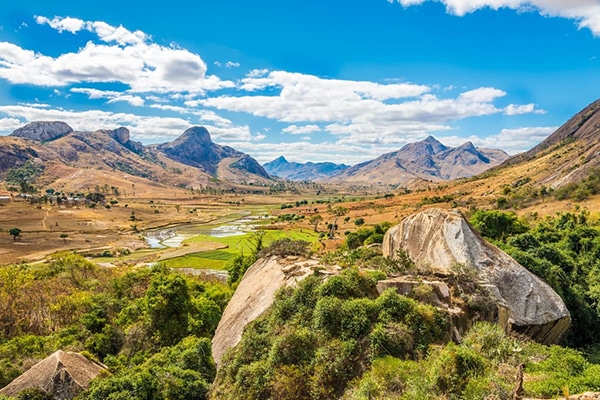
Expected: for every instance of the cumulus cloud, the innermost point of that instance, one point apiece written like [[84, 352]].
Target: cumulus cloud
[[513, 140], [8, 125], [232, 64], [586, 13], [359, 111], [112, 96], [119, 55], [513, 109], [301, 130]]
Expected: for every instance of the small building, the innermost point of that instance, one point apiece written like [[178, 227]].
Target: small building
[[4, 199]]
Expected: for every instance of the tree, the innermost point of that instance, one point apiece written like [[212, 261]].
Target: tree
[[315, 220], [14, 232], [64, 237], [359, 221], [24, 176], [337, 212]]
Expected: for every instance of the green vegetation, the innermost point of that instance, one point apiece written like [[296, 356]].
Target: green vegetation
[[319, 337], [366, 236], [484, 365], [235, 246], [581, 190], [150, 326], [24, 176], [564, 250]]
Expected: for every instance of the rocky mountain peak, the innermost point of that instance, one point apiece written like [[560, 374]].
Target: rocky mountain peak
[[196, 135], [121, 134], [43, 131]]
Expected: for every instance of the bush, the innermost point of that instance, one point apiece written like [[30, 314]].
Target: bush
[[286, 247]]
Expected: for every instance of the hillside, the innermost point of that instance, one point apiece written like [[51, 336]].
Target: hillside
[[192, 160], [571, 152], [308, 171], [427, 160]]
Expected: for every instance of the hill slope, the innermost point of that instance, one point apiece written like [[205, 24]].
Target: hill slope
[[571, 152]]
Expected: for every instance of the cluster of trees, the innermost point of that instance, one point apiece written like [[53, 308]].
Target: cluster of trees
[[150, 326], [337, 338], [564, 250], [319, 337]]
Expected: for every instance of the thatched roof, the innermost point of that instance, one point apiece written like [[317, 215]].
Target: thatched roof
[[62, 374]]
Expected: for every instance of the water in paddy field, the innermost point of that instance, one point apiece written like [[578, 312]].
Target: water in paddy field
[[173, 236]]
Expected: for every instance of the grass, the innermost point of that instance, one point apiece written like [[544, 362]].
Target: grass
[[218, 259]]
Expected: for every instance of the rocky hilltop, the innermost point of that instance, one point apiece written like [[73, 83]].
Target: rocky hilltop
[[427, 160], [308, 171], [196, 148], [43, 131], [441, 239]]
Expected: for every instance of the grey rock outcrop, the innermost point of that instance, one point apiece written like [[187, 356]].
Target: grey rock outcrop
[[440, 239], [256, 293], [196, 148], [63, 375], [121, 134], [43, 131]]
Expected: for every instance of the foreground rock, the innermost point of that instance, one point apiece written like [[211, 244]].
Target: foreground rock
[[62, 374], [256, 293], [440, 239]]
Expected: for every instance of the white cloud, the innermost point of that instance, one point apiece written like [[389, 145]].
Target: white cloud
[[112, 96], [149, 129], [513, 141], [10, 124], [513, 109], [586, 13], [359, 112], [301, 130], [68, 24], [231, 64], [121, 56]]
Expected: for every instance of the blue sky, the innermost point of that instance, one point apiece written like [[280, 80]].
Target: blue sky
[[310, 80]]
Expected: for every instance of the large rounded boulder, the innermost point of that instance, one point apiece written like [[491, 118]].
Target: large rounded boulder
[[441, 239]]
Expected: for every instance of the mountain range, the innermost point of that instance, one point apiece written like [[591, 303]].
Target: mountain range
[[309, 171], [426, 160], [191, 160]]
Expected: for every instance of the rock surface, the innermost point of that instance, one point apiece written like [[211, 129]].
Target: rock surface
[[121, 134], [195, 147], [43, 131], [62, 375], [440, 239], [255, 294]]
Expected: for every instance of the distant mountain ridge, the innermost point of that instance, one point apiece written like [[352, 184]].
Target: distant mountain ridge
[[427, 160], [191, 160], [308, 171]]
